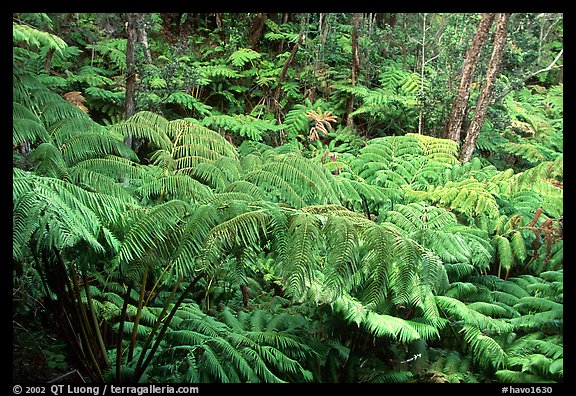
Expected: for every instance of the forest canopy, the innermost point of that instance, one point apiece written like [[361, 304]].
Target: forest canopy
[[287, 197]]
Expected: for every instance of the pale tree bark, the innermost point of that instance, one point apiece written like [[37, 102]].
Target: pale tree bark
[[355, 67], [485, 94], [142, 36], [458, 112]]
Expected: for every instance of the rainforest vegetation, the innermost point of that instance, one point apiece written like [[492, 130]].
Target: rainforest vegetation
[[287, 197]]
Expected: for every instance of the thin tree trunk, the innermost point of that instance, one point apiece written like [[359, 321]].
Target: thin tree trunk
[[355, 68], [48, 61], [484, 98], [456, 117], [282, 76], [256, 30], [132, 30], [420, 115]]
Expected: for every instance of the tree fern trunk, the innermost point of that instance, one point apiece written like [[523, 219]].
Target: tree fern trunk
[[142, 364], [138, 314]]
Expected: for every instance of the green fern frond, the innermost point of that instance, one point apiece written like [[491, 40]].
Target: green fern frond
[[69, 214], [504, 251], [174, 187], [113, 49], [187, 133], [48, 161], [471, 317], [512, 376], [341, 242], [152, 232], [243, 125], [390, 327], [189, 102], [36, 38], [245, 229], [26, 126], [242, 56], [219, 71], [486, 350], [147, 126], [90, 145], [441, 150], [299, 262]]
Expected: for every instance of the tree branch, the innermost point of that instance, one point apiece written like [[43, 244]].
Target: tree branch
[[529, 76]]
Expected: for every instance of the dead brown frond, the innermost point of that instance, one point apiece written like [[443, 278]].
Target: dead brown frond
[[76, 98], [322, 120]]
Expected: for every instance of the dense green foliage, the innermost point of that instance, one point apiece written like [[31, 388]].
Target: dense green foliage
[[251, 234]]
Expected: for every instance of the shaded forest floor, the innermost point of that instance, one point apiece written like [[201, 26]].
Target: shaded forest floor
[[39, 355]]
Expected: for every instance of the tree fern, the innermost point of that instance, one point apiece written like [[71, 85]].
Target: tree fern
[[33, 37], [242, 56], [242, 125], [487, 351]]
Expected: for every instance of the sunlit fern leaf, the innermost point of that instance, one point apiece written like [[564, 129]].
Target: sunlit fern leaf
[[92, 76], [427, 331], [441, 150], [245, 187], [189, 102], [313, 183], [489, 309], [174, 187], [227, 198], [64, 218], [381, 240], [184, 132], [461, 311], [540, 321], [556, 368], [503, 251], [467, 196], [66, 128], [278, 188], [219, 71], [552, 276], [113, 49], [114, 167], [390, 327], [87, 145], [536, 304], [461, 290], [30, 36], [145, 125], [243, 55]]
